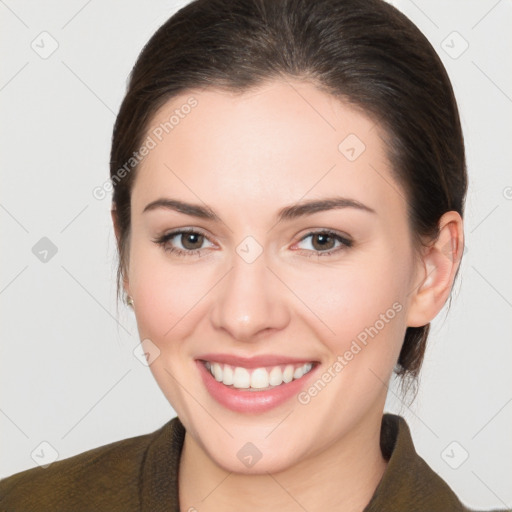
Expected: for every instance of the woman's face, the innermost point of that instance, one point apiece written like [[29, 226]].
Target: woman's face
[[300, 252]]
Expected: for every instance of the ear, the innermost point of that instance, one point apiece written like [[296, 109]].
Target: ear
[[437, 270], [115, 222]]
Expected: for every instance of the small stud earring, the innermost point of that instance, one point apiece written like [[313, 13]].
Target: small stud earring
[[129, 301]]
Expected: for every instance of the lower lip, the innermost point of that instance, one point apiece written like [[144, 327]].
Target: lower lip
[[252, 401]]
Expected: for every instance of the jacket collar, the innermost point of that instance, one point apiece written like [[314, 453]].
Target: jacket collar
[[159, 473], [408, 482]]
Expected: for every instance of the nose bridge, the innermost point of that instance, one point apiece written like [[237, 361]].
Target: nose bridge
[[249, 300]]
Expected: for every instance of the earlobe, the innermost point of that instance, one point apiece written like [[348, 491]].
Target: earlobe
[[439, 265]]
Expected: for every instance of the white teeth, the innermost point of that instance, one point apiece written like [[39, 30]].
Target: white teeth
[[217, 372], [227, 376], [241, 378], [259, 378], [275, 377], [298, 373], [288, 373]]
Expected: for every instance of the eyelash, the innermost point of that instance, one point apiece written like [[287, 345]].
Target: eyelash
[[162, 241], [346, 243]]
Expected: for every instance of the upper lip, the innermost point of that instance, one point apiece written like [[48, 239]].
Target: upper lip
[[253, 362]]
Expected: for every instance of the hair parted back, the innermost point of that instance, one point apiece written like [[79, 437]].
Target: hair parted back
[[364, 52]]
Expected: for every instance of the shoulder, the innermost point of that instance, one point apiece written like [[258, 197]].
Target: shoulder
[[408, 482], [103, 478]]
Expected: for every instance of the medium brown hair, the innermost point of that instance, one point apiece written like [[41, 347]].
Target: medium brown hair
[[364, 52]]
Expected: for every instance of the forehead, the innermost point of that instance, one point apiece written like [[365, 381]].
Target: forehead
[[278, 142]]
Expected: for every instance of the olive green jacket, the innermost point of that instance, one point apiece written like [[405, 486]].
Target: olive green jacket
[[141, 474]]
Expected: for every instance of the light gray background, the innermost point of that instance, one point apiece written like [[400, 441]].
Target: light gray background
[[68, 374]]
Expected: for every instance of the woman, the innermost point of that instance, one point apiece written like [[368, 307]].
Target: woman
[[289, 183]]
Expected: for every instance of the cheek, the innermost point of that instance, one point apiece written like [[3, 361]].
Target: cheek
[[359, 302], [167, 295]]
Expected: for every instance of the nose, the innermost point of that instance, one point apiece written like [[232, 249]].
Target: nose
[[249, 301]]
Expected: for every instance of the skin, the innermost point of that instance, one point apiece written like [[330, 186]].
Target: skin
[[246, 157]]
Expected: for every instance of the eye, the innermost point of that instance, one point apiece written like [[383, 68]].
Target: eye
[[184, 242], [324, 242]]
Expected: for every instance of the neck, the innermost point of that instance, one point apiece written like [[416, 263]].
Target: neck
[[342, 477]]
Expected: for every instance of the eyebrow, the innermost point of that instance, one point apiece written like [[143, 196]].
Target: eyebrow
[[194, 210], [287, 213], [314, 206]]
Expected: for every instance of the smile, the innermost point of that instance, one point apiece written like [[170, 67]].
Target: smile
[[254, 379]]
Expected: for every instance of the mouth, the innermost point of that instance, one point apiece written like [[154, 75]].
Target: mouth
[[260, 379], [257, 384]]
